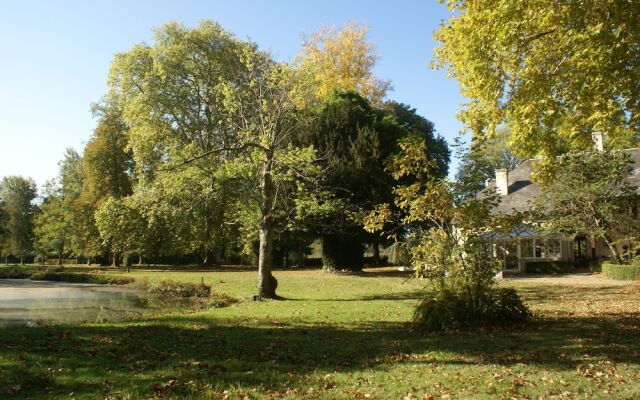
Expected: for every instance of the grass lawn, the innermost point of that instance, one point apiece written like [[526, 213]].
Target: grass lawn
[[336, 336]]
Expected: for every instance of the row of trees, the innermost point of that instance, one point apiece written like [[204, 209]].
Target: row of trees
[[208, 150]]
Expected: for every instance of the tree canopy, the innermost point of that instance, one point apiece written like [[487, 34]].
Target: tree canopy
[[552, 71]]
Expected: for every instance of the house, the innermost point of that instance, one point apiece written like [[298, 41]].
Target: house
[[521, 251]]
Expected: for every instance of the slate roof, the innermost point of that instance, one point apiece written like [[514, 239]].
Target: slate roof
[[522, 188]]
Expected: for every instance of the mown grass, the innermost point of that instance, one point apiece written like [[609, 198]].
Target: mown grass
[[334, 336]]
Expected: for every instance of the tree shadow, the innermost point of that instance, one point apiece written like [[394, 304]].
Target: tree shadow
[[180, 356]]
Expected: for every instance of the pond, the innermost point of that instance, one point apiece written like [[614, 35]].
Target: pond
[[29, 303]]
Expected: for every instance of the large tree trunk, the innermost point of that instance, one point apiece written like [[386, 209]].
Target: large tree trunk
[[266, 282], [613, 248]]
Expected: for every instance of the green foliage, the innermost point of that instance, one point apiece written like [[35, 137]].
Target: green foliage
[[121, 226], [588, 193], [480, 160], [170, 288], [449, 310], [80, 277], [452, 248], [553, 71], [621, 272], [16, 198], [595, 265], [15, 273], [549, 267]]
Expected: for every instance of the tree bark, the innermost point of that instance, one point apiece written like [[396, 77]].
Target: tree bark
[[375, 243], [613, 248], [266, 282]]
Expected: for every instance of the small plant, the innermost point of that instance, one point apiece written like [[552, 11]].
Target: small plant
[[221, 300], [449, 310], [171, 288]]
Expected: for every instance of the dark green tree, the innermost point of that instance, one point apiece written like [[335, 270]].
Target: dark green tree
[[17, 194]]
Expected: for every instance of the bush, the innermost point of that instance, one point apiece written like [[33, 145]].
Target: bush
[[621, 272], [595, 265], [80, 277], [15, 273], [220, 300], [549, 267], [169, 288], [449, 310]]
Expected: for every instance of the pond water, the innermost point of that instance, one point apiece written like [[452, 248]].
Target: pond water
[[29, 303]]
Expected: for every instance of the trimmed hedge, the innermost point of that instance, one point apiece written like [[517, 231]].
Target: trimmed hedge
[[80, 277], [621, 272], [549, 267], [15, 273]]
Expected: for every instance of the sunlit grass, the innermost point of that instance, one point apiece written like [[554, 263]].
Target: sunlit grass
[[335, 336]]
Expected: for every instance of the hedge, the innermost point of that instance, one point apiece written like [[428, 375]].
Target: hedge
[[621, 272], [81, 277], [549, 267]]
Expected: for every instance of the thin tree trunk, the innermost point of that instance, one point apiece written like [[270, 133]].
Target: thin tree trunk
[[375, 243], [266, 282], [613, 248]]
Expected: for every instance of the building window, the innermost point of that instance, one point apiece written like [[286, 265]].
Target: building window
[[554, 249], [540, 248], [526, 248]]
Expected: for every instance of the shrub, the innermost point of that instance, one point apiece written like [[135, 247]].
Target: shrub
[[449, 310], [595, 265], [549, 267], [221, 300], [621, 272], [80, 277], [171, 288], [15, 273]]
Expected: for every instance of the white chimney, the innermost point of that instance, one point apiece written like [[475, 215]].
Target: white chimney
[[502, 181], [487, 182], [598, 140]]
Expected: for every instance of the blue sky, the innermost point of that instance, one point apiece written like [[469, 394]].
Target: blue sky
[[55, 56]]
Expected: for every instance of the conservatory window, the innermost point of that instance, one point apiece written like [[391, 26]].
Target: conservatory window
[[554, 249], [526, 248]]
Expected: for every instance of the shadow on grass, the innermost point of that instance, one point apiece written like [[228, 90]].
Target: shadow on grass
[[184, 356]]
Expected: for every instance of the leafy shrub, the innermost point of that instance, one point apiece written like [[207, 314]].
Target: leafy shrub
[[221, 300], [80, 277], [595, 265], [15, 273], [171, 288], [549, 267], [621, 272], [450, 310]]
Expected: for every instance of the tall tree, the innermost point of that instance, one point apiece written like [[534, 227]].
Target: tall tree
[[550, 70], [479, 161], [202, 98], [56, 225], [17, 194], [437, 149], [107, 170], [343, 59], [588, 193]]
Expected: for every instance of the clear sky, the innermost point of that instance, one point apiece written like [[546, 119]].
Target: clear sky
[[55, 55]]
